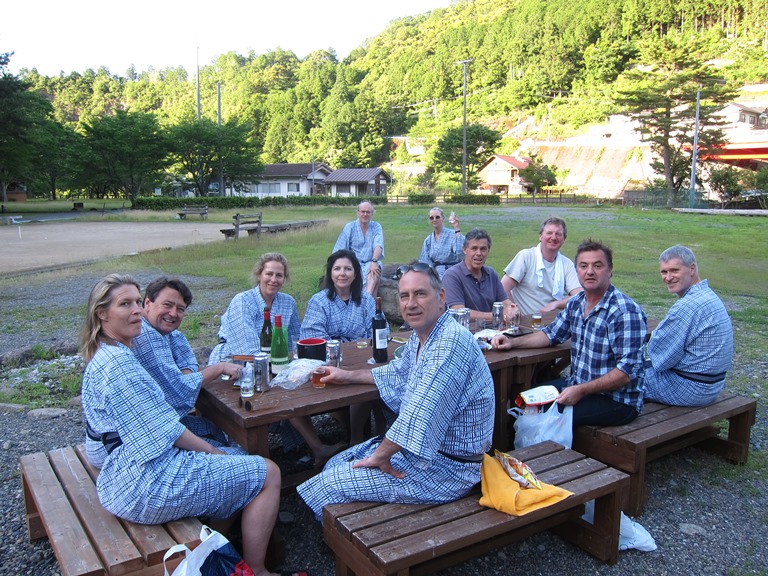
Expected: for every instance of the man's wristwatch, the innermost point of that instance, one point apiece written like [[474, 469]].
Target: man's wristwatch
[[375, 260]]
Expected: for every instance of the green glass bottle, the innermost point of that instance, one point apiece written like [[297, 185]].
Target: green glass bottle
[[279, 352]]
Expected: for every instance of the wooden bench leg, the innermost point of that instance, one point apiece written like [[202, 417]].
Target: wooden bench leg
[[736, 447]]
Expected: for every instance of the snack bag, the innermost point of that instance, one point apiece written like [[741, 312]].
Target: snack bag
[[537, 396], [519, 471]]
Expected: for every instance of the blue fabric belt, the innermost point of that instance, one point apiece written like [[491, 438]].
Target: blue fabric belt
[[111, 440], [462, 459], [701, 378]]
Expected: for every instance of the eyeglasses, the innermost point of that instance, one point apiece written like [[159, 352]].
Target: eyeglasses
[[417, 267], [435, 217]]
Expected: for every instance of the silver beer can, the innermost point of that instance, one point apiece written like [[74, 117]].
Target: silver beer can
[[333, 353], [261, 372]]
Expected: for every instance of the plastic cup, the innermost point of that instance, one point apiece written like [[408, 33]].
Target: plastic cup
[[362, 343], [536, 321]]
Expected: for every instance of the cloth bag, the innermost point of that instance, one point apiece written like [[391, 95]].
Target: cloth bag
[[214, 556], [506, 495], [534, 427]]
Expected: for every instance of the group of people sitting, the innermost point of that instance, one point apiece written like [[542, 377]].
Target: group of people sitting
[[159, 463]]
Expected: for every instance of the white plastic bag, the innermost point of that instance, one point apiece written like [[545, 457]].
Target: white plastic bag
[[296, 373], [214, 556], [532, 428]]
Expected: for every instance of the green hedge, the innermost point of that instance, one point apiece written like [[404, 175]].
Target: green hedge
[[237, 202], [421, 199], [487, 199]]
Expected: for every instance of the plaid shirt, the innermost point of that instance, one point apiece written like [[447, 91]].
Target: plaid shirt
[[610, 337]]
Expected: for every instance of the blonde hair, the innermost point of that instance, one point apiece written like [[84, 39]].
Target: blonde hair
[[99, 299], [258, 268]]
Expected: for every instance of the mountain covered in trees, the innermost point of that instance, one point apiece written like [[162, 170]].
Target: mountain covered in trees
[[572, 61]]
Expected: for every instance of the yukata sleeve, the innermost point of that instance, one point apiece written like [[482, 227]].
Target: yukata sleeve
[[183, 355], [342, 242], [315, 323], [146, 423], [378, 239], [294, 328], [242, 332], [666, 347], [425, 256]]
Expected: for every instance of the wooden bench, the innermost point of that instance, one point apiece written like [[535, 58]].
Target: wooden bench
[[10, 220], [288, 226], [201, 210], [661, 430], [61, 503], [374, 538], [251, 223]]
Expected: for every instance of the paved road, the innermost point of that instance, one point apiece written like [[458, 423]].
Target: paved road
[[40, 246]]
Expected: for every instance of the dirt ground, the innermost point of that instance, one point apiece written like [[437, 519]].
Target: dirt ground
[[44, 246]]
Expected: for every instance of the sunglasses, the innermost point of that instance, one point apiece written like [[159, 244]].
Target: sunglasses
[[435, 217], [417, 267]]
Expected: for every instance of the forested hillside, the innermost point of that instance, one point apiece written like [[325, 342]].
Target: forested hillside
[[559, 59]]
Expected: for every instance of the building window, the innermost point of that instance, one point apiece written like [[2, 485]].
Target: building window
[[268, 188], [293, 187], [342, 188]]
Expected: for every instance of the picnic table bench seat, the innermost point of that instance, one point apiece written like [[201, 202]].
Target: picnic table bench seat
[[251, 223], [662, 430], [61, 503], [370, 538], [200, 210]]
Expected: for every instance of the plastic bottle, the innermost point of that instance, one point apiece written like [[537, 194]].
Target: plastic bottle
[[379, 325], [279, 351], [265, 338], [246, 381]]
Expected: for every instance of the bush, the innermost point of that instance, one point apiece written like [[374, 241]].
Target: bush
[[421, 199], [477, 199], [248, 202]]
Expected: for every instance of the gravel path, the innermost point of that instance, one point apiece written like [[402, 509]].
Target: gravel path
[[708, 517]]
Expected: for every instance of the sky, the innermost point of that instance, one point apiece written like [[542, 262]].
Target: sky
[[74, 35]]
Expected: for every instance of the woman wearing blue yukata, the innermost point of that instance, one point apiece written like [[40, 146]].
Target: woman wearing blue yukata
[[156, 470], [442, 248]]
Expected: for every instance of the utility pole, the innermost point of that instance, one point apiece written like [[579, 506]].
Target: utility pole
[[221, 162], [692, 194], [464, 142]]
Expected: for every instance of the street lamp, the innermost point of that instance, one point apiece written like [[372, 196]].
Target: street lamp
[[464, 141]]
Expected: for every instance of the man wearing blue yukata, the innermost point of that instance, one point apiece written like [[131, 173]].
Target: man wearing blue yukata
[[165, 353], [365, 237], [441, 392]]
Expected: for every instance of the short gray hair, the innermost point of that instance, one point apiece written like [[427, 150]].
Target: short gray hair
[[555, 221], [679, 252], [477, 234]]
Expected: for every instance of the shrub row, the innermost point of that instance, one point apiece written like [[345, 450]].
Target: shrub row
[[488, 199], [240, 202]]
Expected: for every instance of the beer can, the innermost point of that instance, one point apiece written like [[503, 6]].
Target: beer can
[[498, 315], [333, 353], [261, 372]]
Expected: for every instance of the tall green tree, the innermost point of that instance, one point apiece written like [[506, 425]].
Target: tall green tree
[[661, 94], [21, 110], [201, 147], [538, 175], [130, 149], [447, 155]]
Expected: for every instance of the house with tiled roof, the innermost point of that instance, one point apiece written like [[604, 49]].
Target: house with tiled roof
[[291, 180], [501, 174], [358, 182]]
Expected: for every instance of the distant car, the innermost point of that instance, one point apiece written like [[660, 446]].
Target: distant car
[[753, 193]]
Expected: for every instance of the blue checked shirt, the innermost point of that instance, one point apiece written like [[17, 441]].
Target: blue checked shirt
[[612, 336], [337, 319]]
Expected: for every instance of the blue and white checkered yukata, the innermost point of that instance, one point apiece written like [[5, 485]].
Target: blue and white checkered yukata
[[336, 319], [690, 351], [241, 323], [443, 397], [145, 478], [444, 252], [363, 245]]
